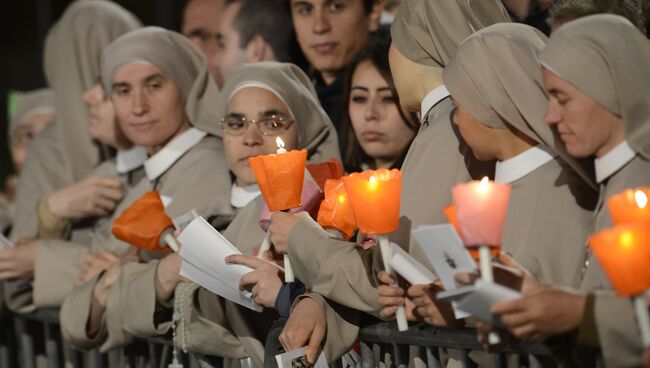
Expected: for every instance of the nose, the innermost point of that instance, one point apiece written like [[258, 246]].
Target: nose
[[321, 22], [552, 115], [89, 96], [253, 136], [373, 109], [140, 103]]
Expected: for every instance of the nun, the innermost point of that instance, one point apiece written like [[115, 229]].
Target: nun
[[60, 156], [287, 107], [595, 71], [496, 84], [34, 112], [164, 100]]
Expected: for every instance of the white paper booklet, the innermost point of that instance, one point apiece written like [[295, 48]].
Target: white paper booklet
[[298, 359], [409, 268], [204, 251]]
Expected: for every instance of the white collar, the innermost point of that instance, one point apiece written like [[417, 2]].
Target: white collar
[[157, 164], [523, 164], [431, 99], [240, 197], [130, 159], [613, 160]]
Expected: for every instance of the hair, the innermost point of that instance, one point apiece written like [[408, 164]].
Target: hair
[[367, 5], [376, 52], [267, 19], [564, 11]]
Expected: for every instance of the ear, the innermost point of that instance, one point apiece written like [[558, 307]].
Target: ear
[[375, 15], [257, 50]]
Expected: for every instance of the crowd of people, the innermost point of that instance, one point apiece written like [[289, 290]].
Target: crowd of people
[[447, 91]]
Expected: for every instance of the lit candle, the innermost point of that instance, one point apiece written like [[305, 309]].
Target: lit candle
[[481, 212], [450, 214], [630, 206], [280, 143], [335, 212], [624, 254], [375, 199]]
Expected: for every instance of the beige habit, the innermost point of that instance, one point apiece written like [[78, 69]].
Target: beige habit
[[63, 154], [607, 59], [495, 77], [190, 172]]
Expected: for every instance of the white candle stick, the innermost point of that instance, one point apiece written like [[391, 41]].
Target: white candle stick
[[386, 253], [485, 263], [642, 318], [171, 241], [266, 245], [288, 271]]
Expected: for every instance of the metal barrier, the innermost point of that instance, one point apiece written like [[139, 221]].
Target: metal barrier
[[435, 346]]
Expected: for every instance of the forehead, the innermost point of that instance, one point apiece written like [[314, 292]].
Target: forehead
[[228, 16], [255, 100], [135, 72], [202, 14], [366, 73]]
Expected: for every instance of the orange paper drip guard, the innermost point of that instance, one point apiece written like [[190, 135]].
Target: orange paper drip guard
[[375, 199], [321, 172], [142, 224], [335, 210], [280, 177], [450, 214], [624, 254], [630, 206]]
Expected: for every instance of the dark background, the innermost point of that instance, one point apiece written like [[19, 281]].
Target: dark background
[[23, 26]]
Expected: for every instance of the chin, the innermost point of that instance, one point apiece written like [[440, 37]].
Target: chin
[[578, 151]]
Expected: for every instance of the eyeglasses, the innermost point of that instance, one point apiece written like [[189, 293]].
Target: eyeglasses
[[271, 125]]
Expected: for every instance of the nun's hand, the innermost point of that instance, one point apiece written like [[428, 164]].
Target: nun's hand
[[168, 276], [264, 281], [542, 311], [90, 197], [100, 298], [281, 225], [434, 312], [18, 262], [391, 297], [306, 326], [94, 263]]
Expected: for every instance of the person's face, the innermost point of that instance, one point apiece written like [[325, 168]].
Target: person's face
[[28, 127], [230, 55], [376, 120], [149, 106], [585, 126], [331, 32], [255, 103], [401, 68], [102, 125], [200, 25], [482, 139]]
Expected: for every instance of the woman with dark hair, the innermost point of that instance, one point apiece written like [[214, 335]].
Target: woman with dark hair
[[377, 131]]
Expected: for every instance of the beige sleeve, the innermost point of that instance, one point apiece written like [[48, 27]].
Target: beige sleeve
[[342, 326], [204, 328], [142, 315], [116, 335], [18, 295], [56, 270], [50, 226], [74, 314], [338, 270], [618, 331]]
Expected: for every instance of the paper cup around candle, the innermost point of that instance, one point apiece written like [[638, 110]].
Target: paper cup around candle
[[630, 206], [143, 224], [324, 171], [375, 199], [335, 211], [280, 178], [624, 254], [481, 211], [450, 214]]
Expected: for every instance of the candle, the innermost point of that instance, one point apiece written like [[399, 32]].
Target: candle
[[481, 211], [629, 206], [335, 211], [375, 199], [624, 254], [146, 225], [450, 214], [280, 143]]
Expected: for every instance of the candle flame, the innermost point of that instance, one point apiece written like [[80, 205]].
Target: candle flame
[[627, 239], [484, 184], [341, 198], [279, 142], [641, 199], [372, 182]]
